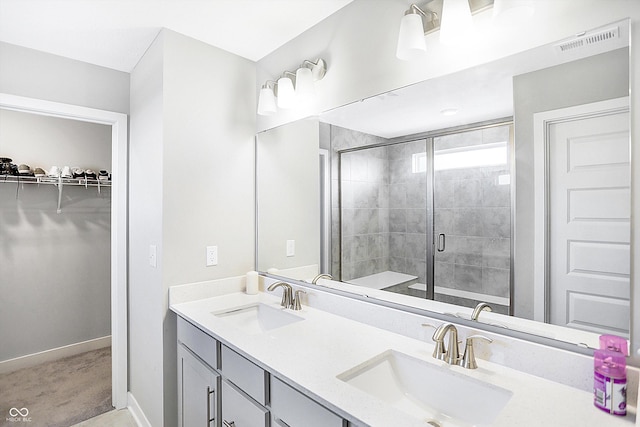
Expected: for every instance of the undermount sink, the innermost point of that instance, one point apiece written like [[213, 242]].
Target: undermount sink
[[427, 391], [257, 318]]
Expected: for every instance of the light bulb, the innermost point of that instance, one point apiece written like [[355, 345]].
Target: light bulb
[[305, 86], [286, 93], [456, 23]]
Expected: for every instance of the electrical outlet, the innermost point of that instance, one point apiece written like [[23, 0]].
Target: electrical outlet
[[212, 256], [291, 247], [153, 256]]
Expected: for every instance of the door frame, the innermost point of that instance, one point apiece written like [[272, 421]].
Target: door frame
[[119, 159], [541, 125]]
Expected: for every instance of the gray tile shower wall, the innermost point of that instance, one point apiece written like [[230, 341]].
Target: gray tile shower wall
[[408, 210], [365, 212], [364, 197]]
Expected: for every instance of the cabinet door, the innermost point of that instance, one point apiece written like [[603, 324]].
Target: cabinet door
[[239, 410], [198, 387]]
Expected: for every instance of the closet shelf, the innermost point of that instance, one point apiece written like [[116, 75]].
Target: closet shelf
[[59, 182]]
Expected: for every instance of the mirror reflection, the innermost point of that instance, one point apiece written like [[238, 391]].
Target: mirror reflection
[[507, 183]]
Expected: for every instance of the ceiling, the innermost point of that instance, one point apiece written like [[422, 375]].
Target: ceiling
[[116, 33]]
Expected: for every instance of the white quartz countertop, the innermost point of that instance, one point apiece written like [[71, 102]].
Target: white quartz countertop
[[310, 354]]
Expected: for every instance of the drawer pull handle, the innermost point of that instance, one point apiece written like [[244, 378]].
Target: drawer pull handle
[[281, 423], [228, 424], [210, 392]]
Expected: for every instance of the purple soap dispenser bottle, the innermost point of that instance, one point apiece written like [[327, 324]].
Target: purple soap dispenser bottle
[[610, 375]]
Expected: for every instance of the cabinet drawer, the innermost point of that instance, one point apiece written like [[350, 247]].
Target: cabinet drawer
[[297, 410], [249, 377], [197, 341], [240, 409]]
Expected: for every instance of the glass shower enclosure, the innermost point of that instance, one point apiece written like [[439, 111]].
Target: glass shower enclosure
[[429, 217]]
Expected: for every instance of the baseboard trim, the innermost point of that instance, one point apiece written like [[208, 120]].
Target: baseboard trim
[[136, 412], [54, 354]]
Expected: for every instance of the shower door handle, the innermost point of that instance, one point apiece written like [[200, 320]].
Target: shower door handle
[[442, 242]]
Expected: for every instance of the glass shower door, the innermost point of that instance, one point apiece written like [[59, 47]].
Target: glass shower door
[[384, 223], [472, 217]]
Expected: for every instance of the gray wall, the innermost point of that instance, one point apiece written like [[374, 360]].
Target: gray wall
[[191, 185], [146, 291], [55, 284], [287, 195], [593, 79], [34, 74]]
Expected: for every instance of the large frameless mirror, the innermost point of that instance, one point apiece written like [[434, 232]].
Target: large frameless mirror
[[520, 200]]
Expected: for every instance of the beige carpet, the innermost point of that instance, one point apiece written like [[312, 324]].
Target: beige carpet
[[58, 394]]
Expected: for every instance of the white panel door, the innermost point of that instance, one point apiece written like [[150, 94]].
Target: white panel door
[[589, 232]]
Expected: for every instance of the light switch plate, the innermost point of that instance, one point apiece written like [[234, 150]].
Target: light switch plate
[[153, 256], [291, 247], [212, 256]]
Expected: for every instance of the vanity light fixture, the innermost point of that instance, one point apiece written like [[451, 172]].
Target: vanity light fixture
[[411, 43], [457, 24], [452, 17], [289, 97], [267, 100]]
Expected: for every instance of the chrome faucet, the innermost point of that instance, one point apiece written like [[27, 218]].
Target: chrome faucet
[[287, 291], [476, 311], [451, 355], [320, 276]]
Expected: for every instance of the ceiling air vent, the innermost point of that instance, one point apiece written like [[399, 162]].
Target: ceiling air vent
[[585, 40]]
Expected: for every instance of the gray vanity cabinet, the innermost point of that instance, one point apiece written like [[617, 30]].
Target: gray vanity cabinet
[[219, 387]]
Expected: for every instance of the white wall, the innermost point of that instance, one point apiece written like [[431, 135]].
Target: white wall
[[359, 44], [145, 229], [288, 195], [34, 74], [44, 141], [191, 185]]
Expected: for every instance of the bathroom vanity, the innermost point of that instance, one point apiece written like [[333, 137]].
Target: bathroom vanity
[[243, 360]]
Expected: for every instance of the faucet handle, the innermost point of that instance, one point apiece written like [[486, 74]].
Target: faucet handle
[[469, 359], [439, 352], [296, 299]]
